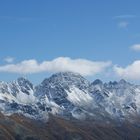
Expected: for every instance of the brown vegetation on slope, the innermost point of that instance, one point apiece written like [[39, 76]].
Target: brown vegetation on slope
[[18, 127]]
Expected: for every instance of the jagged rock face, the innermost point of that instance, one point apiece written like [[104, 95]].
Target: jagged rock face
[[25, 85], [120, 99], [56, 87], [69, 95]]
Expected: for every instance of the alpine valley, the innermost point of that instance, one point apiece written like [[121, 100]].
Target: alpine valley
[[66, 106]]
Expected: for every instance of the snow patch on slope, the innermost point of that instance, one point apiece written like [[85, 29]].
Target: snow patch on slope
[[79, 97], [26, 99]]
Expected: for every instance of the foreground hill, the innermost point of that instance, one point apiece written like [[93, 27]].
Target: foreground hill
[[17, 127]]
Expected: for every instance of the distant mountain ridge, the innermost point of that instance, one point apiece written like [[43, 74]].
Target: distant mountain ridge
[[70, 95]]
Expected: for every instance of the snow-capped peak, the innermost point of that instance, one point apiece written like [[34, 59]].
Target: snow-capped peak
[[97, 82], [66, 79]]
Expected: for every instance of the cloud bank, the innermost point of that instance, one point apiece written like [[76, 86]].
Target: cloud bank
[[60, 64], [131, 71], [82, 66]]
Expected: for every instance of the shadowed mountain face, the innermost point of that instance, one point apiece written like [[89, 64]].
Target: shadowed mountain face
[[67, 106]]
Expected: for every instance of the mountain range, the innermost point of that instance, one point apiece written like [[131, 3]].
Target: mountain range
[[68, 103]]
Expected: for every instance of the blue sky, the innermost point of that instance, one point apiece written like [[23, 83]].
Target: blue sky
[[95, 30]]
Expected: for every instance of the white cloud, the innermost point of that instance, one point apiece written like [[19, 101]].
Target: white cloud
[[9, 59], [131, 71], [123, 24], [125, 16], [135, 47], [60, 64]]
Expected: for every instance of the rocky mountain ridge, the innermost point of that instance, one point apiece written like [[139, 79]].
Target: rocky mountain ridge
[[70, 95]]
